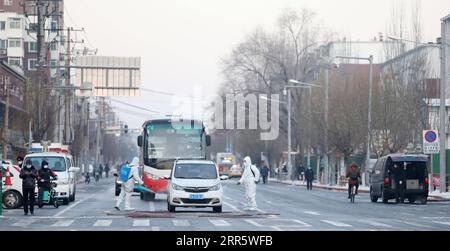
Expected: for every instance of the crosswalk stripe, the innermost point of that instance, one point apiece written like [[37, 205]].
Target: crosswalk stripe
[[181, 223], [375, 223], [103, 223], [336, 223], [24, 223], [155, 228], [254, 223], [220, 223], [141, 223], [63, 223], [412, 224], [311, 212], [303, 223], [443, 223]]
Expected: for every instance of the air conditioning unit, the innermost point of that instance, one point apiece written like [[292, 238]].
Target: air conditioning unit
[[3, 52]]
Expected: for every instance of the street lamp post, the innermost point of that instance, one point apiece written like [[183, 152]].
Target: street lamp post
[[369, 113], [298, 84]]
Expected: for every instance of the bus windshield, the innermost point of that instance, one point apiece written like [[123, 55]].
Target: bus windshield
[[166, 142]]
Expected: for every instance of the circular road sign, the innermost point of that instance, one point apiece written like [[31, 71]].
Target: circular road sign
[[430, 136]]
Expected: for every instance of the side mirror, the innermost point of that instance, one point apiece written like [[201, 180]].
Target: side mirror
[[208, 140], [224, 177], [167, 177], [116, 175], [74, 169], [140, 140]]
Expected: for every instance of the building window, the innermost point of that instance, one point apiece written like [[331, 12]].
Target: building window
[[15, 61], [53, 46], [15, 43], [32, 47], [8, 2], [2, 25], [53, 63], [54, 27], [32, 64], [14, 23], [3, 44]]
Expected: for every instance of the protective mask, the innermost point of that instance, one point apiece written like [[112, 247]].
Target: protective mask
[[28, 166], [45, 167]]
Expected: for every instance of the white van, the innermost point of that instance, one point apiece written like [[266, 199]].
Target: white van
[[12, 195], [62, 164]]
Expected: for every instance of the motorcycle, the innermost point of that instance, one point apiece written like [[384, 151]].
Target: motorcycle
[[49, 197]]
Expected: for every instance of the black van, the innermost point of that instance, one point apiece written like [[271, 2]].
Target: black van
[[406, 170]]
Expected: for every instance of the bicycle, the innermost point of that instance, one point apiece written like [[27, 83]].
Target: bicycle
[[352, 194]]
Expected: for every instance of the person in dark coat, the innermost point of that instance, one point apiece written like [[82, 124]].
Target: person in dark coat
[[107, 170], [300, 171], [44, 175], [400, 180], [28, 174], [354, 175], [265, 173], [309, 176], [100, 170]]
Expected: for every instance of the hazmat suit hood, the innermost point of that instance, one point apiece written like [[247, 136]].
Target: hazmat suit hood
[[135, 162], [248, 160]]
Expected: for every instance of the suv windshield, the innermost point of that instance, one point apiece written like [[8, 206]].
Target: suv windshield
[[195, 171], [56, 164]]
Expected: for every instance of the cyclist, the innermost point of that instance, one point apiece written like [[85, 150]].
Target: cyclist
[[353, 175]]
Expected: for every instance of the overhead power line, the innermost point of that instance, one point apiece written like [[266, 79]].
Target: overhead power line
[[135, 106]]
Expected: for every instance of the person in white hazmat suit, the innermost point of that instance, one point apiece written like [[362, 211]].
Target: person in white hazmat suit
[[249, 178], [128, 186]]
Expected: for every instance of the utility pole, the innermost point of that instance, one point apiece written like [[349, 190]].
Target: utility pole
[[326, 159], [445, 57], [67, 96], [41, 12], [99, 121], [6, 83]]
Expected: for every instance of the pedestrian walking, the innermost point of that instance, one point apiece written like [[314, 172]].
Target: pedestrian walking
[[100, 170], [309, 176], [249, 178], [265, 173], [28, 174], [300, 171], [127, 176], [107, 169], [43, 179], [400, 180]]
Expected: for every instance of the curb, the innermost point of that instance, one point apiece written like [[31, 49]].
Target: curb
[[431, 197]]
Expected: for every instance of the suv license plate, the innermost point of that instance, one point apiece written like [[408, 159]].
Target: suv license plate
[[196, 196]]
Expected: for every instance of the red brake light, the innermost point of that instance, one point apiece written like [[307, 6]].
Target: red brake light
[[386, 181], [426, 181]]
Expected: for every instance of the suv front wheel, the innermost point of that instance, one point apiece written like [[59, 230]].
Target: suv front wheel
[[373, 197], [170, 208]]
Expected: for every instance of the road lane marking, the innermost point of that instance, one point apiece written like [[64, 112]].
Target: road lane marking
[[141, 223], [63, 223], [181, 223], [220, 223], [254, 223], [336, 223], [375, 223], [302, 223], [231, 206], [151, 205], [311, 212], [73, 205], [155, 228], [277, 228], [24, 223], [412, 224], [443, 223], [103, 223]]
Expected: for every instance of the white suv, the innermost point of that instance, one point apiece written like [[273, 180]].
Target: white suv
[[194, 183]]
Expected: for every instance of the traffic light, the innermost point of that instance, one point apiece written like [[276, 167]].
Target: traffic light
[[126, 129]]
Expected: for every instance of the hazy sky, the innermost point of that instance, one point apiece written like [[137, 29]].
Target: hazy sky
[[181, 42]]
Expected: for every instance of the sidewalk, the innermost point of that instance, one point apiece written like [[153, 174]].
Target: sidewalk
[[433, 196]]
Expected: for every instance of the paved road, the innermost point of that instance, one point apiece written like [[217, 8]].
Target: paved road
[[281, 208]]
